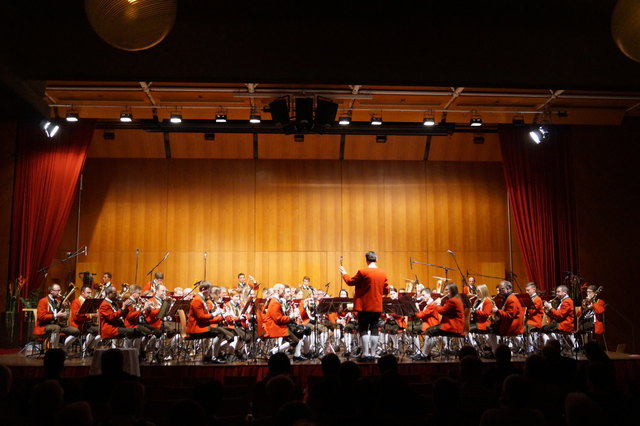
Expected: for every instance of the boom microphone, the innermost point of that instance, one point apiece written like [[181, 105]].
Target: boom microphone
[[450, 252], [85, 250]]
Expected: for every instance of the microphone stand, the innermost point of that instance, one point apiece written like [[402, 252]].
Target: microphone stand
[[445, 268], [464, 279], [137, 257], [205, 267], [154, 268], [70, 256]]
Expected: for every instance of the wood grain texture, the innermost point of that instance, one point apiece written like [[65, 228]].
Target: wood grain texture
[[127, 144], [279, 220], [225, 145], [318, 147]]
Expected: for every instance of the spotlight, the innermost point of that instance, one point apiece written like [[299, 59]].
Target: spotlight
[[376, 121], [72, 116], [126, 116], [298, 138], [221, 118], [254, 118], [176, 117], [475, 121], [381, 139], [539, 134], [209, 136], [50, 128], [345, 120], [429, 121]]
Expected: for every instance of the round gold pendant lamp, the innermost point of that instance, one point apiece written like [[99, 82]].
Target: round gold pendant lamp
[[625, 27]]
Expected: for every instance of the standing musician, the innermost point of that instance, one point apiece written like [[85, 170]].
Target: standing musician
[[83, 322], [276, 323], [106, 282], [47, 318], [111, 318], [152, 286], [203, 317], [451, 322], [592, 315], [510, 315], [242, 282], [563, 317], [470, 287], [371, 285]]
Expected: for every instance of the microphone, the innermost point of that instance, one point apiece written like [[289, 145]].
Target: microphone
[[450, 252], [166, 255], [137, 252], [411, 262], [205, 254], [85, 250]]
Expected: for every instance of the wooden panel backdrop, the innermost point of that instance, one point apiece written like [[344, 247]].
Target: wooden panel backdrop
[[282, 219]]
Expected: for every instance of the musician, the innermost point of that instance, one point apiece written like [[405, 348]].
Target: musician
[[83, 321], [203, 317], [106, 282], [426, 316], [481, 311], [393, 323], [242, 281], [591, 319], [48, 315], [451, 322], [371, 285], [112, 318], [237, 322], [217, 298], [511, 313], [276, 323], [347, 321], [152, 286], [563, 317], [535, 312], [470, 287]]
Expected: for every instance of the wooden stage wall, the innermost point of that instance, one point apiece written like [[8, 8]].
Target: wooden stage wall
[[282, 219]]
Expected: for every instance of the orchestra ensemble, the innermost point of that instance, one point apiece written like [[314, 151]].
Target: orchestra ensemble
[[366, 319]]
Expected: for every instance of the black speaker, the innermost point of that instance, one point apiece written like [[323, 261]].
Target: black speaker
[[326, 112], [279, 111], [304, 113]]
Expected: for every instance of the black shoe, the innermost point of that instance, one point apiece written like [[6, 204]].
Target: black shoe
[[418, 357], [217, 361], [206, 359]]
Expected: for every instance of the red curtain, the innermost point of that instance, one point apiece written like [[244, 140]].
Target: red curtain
[[538, 179], [46, 180]]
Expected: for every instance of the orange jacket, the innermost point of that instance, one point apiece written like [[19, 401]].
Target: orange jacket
[[429, 315], [535, 313], [75, 320], [132, 319], [482, 315], [452, 315], [199, 317], [371, 284], [564, 315], [598, 310], [275, 322], [110, 320], [44, 316], [511, 317]]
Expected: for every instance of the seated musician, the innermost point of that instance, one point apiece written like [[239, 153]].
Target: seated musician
[[48, 316], [535, 312], [83, 321], [425, 317], [510, 316], [237, 323], [276, 323], [393, 323], [481, 311], [470, 286], [592, 313], [564, 316], [452, 319], [203, 317], [106, 282], [112, 318], [152, 286], [348, 323]]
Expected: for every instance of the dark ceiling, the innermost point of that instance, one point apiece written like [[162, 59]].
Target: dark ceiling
[[512, 44]]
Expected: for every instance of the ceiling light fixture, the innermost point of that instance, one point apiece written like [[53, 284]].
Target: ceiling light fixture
[[476, 121], [345, 120], [254, 118], [175, 118], [539, 134], [50, 128], [72, 116], [126, 116], [429, 120], [376, 121], [221, 118]]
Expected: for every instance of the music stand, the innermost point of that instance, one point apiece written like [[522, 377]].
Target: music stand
[[254, 308], [334, 304], [178, 305], [90, 306]]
